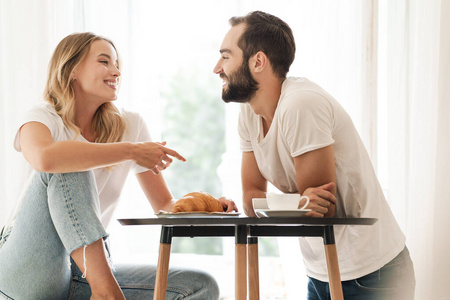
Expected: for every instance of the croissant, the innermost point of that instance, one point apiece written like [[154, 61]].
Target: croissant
[[197, 201]]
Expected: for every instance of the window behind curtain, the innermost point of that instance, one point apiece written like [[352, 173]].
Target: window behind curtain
[[170, 81], [169, 49]]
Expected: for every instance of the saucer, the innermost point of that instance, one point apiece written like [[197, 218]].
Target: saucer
[[198, 214], [266, 213]]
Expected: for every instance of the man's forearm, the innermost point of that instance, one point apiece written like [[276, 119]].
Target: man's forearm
[[248, 203]]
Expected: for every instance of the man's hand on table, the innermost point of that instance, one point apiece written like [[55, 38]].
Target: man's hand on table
[[322, 202]]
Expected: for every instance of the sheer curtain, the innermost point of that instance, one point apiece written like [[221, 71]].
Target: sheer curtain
[[387, 62], [26, 39], [414, 102]]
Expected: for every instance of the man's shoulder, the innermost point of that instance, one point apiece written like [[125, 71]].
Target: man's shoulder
[[302, 93], [299, 85]]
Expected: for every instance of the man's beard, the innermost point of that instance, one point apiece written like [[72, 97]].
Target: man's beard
[[241, 86]]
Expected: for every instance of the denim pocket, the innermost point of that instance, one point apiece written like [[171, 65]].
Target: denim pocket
[[376, 282], [385, 279]]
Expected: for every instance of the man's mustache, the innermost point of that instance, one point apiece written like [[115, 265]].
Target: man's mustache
[[223, 76]]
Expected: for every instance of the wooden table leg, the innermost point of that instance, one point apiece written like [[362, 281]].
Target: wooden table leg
[[241, 262], [334, 275], [253, 269], [162, 269]]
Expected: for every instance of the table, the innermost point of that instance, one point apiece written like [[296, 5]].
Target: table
[[246, 232]]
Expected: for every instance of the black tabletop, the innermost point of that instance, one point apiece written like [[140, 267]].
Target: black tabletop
[[242, 220]]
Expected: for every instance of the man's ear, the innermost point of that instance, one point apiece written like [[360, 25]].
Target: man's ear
[[258, 62]]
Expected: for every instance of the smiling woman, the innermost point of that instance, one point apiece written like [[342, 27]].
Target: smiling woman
[[94, 82], [106, 69], [81, 149]]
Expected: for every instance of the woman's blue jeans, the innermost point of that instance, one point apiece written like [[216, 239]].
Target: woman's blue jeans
[[61, 213], [394, 281]]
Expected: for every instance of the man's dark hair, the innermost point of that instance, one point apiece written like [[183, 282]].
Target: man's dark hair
[[269, 34]]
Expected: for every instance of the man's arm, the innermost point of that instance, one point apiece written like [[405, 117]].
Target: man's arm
[[316, 178], [254, 185]]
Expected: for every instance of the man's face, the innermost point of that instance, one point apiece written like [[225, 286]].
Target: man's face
[[238, 82]]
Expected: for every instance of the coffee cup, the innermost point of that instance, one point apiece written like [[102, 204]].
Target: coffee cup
[[260, 203], [286, 201]]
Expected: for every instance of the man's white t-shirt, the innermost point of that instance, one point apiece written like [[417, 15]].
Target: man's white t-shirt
[[109, 181], [308, 118]]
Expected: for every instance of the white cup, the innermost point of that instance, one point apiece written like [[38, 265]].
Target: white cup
[[285, 201], [260, 203]]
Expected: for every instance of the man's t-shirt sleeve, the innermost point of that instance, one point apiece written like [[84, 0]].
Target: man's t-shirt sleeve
[[306, 122], [243, 130]]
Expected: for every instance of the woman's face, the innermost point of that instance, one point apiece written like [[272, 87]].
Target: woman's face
[[96, 79]]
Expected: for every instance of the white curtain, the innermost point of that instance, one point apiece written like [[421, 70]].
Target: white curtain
[[25, 44], [417, 136], [414, 104]]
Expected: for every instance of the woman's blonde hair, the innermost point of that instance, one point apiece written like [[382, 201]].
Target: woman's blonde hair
[[108, 123]]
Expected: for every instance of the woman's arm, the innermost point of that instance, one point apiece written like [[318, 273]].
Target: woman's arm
[[160, 198], [46, 155], [156, 191]]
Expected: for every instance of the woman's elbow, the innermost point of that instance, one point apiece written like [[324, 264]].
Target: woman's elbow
[[42, 163]]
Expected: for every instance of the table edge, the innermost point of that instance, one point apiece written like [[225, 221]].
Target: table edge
[[231, 221]]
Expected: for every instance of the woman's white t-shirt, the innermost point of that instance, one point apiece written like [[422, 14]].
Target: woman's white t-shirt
[[308, 118], [109, 182]]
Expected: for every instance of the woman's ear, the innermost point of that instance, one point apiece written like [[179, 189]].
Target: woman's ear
[[74, 73], [258, 62]]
